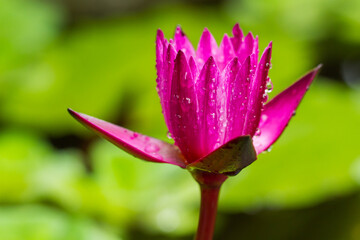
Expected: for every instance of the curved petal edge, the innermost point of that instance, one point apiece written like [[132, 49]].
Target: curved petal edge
[[278, 112], [138, 145]]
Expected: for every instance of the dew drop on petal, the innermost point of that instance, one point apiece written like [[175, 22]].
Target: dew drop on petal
[[152, 148]]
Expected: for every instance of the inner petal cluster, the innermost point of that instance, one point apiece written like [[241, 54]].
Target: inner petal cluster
[[213, 94]]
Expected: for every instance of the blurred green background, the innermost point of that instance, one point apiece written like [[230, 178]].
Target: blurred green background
[[59, 181]]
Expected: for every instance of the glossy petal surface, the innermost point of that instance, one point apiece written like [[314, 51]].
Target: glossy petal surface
[[141, 146], [278, 112]]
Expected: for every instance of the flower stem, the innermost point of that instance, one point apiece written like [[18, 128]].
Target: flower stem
[[210, 185]]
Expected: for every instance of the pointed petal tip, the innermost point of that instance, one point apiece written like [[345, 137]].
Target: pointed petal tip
[[237, 29], [318, 67], [159, 33], [73, 113], [179, 30]]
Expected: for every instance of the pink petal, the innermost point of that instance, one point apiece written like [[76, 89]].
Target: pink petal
[[159, 54], [225, 92], [182, 43], [164, 85], [226, 52], [183, 110], [237, 39], [207, 47], [278, 112], [238, 105], [247, 47], [206, 86], [193, 67], [229, 159], [256, 95], [140, 146]]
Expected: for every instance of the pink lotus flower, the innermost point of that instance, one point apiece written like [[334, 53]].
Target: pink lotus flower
[[213, 101]]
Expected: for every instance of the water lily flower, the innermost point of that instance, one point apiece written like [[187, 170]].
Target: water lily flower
[[214, 101]]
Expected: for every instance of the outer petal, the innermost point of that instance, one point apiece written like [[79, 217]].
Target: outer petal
[[256, 95], [207, 47], [160, 48], [206, 86], [164, 86], [278, 112], [143, 147], [182, 43], [183, 108]]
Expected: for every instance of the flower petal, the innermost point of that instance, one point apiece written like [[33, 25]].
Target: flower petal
[[140, 146], [183, 110], [238, 102], [278, 112], [160, 48], [226, 52], [182, 43], [229, 159], [256, 95], [206, 86], [237, 39], [164, 85], [248, 47], [207, 47], [225, 92]]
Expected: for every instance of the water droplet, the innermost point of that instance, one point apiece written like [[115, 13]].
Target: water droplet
[[264, 117], [152, 148], [293, 113], [269, 149], [269, 86], [267, 65], [257, 132], [169, 135], [134, 135]]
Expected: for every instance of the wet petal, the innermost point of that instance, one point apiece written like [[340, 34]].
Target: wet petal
[[225, 92], [238, 102], [206, 86], [160, 48], [182, 43], [256, 95], [278, 112], [164, 85], [229, 159], [183, 108], [226, 52], [194, 68], [207, 47], [140, 146]]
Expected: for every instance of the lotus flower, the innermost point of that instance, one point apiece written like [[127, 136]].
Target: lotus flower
[[214, 105], [213, 101]]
